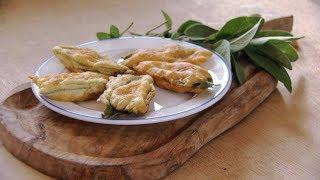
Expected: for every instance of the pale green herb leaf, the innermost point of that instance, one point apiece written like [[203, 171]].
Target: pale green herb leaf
[[175, 35], [114, 31], [103, 35], [199, 31], [222, 47], [236, 27], [267, 33], [262, 40], [197, 38], [242, 41], [212, 37], [185, 25], [167, 19], [239, 71]]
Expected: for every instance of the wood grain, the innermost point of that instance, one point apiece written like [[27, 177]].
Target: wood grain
[[278, 140], [65, 148]]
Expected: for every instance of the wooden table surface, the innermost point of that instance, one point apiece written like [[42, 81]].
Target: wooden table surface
[[280, 139]]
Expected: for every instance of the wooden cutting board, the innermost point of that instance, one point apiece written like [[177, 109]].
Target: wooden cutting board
[[65, 148]]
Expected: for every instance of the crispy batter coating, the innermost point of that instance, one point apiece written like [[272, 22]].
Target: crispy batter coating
[[130, 93], [71, 86], [180, 77], [83, 59], [169, 53]]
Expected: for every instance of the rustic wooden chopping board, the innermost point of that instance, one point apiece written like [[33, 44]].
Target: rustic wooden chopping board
[[70, 149]]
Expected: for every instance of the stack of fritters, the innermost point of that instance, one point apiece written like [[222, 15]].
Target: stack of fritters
[[172, 67]]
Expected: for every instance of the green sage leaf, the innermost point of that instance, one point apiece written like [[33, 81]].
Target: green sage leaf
[[239, 71], [273, 52], [242, 41], [197, 38], [199, 31], [168, 20], [267, 33], [222, 47], [114, 31], [103, 35], [236, 27], [262, 40], [212, 37], [186, 25], [175, 35], [286, 48], [270, 66]]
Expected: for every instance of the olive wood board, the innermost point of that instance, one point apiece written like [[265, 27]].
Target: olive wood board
[[65, 148]]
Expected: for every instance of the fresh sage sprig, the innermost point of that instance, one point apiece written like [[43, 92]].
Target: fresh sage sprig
[[113, 32], [268, 49], [167, 23]]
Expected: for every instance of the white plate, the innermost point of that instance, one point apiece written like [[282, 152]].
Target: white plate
[[166, 105]]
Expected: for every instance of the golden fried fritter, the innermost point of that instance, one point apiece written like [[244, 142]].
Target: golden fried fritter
[[177, 76], [169, 53], [83, 59], [130, 93], [71, 86]]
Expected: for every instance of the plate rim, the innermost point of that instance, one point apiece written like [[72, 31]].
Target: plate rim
[[153, 120]]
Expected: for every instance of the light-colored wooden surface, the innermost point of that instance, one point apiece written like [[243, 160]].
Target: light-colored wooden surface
[[280, 139]]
